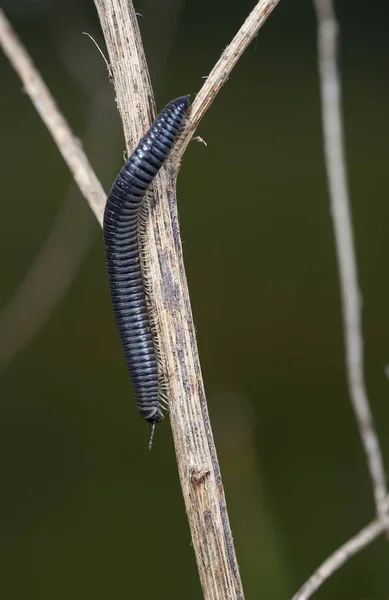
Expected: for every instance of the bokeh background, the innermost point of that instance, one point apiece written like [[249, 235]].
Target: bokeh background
[[86, 510]]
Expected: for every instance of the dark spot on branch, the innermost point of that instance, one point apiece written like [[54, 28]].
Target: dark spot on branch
[[197, 476], [170, 288]]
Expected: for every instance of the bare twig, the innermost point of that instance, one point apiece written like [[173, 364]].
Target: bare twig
[[222, 70], [196, 454], [195, 450], [351, 309], [340, 557], [44, 103], [341, 215], [62, 253], [54, 268]]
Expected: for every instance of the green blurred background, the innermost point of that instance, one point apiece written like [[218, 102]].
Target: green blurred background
[[86, 510]]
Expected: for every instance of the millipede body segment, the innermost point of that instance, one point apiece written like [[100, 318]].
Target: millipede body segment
[[124, 220]]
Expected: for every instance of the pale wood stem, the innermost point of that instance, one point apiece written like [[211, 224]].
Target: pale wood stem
[[354, 545], [195, 449], [335, 161], [69, 145]]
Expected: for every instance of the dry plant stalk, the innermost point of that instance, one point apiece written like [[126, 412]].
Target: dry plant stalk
[[67, 143], [354, 545], [195, 449], [196, 454], [62, 253], [335, 161], [64, 249]]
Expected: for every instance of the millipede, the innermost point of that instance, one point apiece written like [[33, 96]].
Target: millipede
[[124, 227]]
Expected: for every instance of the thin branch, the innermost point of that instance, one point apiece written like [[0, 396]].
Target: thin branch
[[341, 215], [351, 309], [63, 251], [196, 453], [223, 68], [44, 103], [195, 449], [340, 557]]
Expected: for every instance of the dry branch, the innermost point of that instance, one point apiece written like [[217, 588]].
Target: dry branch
[[340, 557], [196, 454], [54, 268], [195, 450], [335, 160], [62, 253], [222, 69], [68, 144]]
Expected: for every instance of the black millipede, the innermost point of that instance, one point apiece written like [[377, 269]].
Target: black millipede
[[124, 224]]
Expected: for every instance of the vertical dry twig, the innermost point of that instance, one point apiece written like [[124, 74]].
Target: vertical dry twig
[[341, 215], [351, 304], [61, 255], [335, 160], [196, 454], [195, 449]]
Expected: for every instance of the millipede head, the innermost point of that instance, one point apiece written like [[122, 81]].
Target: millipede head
[[153, 420]]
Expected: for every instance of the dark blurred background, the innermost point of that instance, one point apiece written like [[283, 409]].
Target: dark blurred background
[[86, 510]]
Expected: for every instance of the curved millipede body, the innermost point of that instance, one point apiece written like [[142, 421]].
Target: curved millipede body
[[124, 219]]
